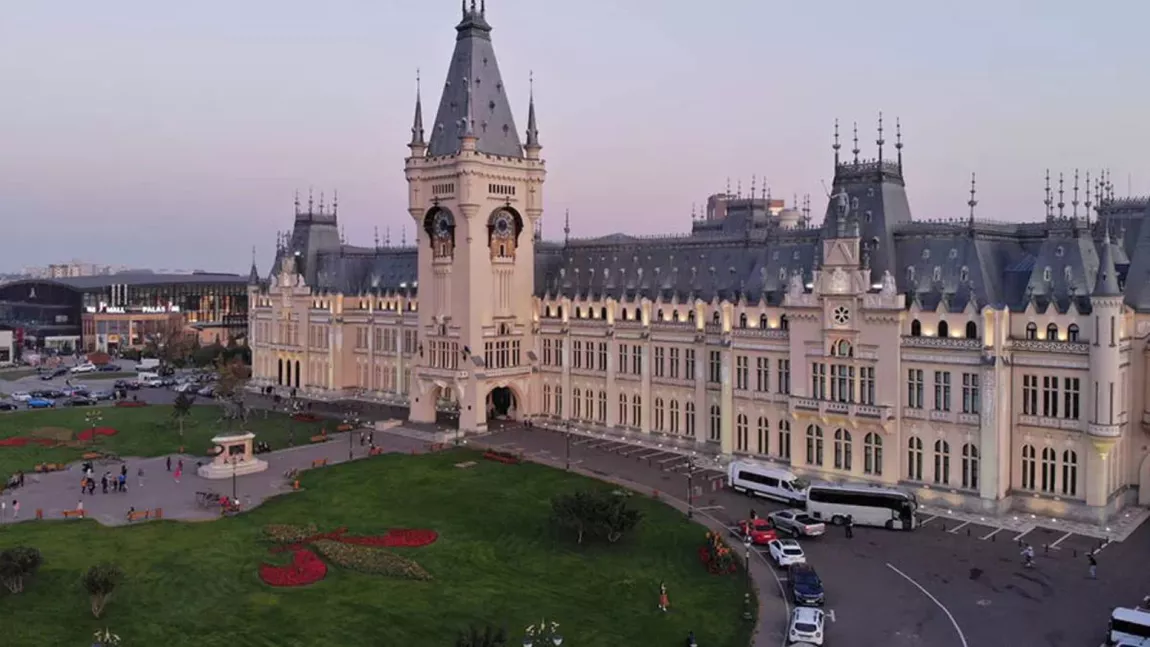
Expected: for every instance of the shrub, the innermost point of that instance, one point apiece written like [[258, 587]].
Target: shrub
[[370, 560], [16, 564], [288, 534], [595, 514], [100, 582], [489, 637]]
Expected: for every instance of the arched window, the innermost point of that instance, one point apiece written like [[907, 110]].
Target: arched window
[[763, 322], [741, 433], [843, 450], [784, 323], [914, 458], [578, 312], [1072, 332], [872, 454], [943, 329], [691, 316], [1070, 472], [815, 445], [1048, 469], [659, 315], [588, 405], [636, 410], [674, 315], [842, 348], [785, 439], [558, 401], [970, 466], [603, 313], [716, 429], [576, 403], [559, 312], [547, 312], [622, 409], [971, 330], [1028, 467], [689, 419], [1031, 330], [743, 320], [658, 414], [674, 416], [916, 328], [715, 318], [1052, 332], [602, 407], [941, 462], [764, 436]]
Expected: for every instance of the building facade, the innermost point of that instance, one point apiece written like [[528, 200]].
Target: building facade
[[986, 366]]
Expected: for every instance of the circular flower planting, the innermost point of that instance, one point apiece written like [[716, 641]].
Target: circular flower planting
[[357, 553]]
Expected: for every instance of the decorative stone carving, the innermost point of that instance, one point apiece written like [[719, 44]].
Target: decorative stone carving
[[795, 287], [889, 288], [840, 283]]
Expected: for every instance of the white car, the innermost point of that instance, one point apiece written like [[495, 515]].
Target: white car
[[807, 625], [84, 368], [797, 522], [22, 396], [786, 552], [154, 382]]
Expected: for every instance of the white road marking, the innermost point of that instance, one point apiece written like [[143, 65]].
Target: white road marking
[[709, 507], [1023, 533], [992, 533], [954, 530], [928, 520], [961, 636], [1099, 549], [1060, 540], [644, 457], [632, 450], [675, 457]]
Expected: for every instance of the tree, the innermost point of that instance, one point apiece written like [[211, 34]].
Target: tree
[[16, 564], [100, 581], [233, 375], [181, 409], [594, 514], [489, 637]]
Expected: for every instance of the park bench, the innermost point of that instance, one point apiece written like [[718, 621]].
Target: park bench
[[502, 457], [91, 456], [68, 514], [345, 427], [138, 515], [50, 467], [321, 438], [375, 451], [319, 462]]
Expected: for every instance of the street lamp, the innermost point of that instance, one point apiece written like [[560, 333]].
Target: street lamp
[[691, 486], [747, 545], [235, 497], [567, 426], [92, 418], [351, 422]]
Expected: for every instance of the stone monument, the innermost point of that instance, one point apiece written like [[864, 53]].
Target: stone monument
[[233, 457]]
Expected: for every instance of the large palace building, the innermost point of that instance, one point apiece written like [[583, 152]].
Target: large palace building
[[986, 366]]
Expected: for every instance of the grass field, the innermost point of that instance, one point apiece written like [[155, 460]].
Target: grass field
[[144, 431], [11, 375], [497, 560]]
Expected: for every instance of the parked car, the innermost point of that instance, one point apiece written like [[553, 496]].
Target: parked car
[[53, 374], [86, 367], [786, 552], [806, 626], [21, 396], [101, 395], [75, 389], [759, 530], [129, 385], [806, 586], [109, 368], [8, 406], [185, 387], [208, 391], [41, 403], [79, 401], [797, 522], [154, 382]]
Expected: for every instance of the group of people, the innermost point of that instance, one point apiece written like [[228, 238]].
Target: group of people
[[15, 481], [108, 481]]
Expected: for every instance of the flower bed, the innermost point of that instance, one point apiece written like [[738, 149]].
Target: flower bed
[[502, 457], [716, 556], [305, 568], [131, 404], [371, 561], [305, 417], [90, 434], [398, 537], [21, 441]]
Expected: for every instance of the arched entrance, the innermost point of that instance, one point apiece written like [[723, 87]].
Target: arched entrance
[[502, 404], [296, 374], [280, 376], [446, 406]]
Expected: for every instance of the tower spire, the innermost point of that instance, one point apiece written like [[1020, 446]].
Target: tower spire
[[376, 232], [855, 150], [1089, 203], [335, 202], [418, 144], [387, 236], [972, 203], [532, 146], [297, 202], [836, 146], [1074, 201], [1049, 202], [1061, 201], [880, 141], [254, 274], [566, 226], [898, 142]]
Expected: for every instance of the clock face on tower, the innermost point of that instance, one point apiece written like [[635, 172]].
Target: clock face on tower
[[503, 225], [442, 225]]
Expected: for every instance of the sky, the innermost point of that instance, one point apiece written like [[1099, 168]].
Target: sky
[[165, 134]]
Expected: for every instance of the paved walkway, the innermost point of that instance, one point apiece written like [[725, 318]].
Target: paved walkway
[[59, 491]]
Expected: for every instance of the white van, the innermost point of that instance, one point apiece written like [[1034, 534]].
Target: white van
[[1128, 628], [768, 482]]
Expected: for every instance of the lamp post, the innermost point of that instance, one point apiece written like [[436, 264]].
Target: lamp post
[[691, 486], [567, 427], [92, 418], [351, 421], [235, 496], [541, 634], [747, 545]]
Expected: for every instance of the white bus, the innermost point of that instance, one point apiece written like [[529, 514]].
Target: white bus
[[1129, 628], [768, 482], [866, 505]]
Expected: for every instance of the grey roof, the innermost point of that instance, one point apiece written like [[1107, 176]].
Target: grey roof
[[473, 95], [137, 279], [1107, 283]]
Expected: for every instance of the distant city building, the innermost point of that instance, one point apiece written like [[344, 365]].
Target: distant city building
[[71, 269]]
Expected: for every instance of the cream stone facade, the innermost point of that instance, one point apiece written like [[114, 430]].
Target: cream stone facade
[[985, 366]]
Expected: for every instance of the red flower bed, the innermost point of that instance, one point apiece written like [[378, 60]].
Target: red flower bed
[[90, 434], [716, 556], [305, 417], [398, 537], [15, 441], [128, 404], [305, 568]]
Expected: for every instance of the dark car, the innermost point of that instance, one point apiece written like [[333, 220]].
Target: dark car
[[53, 393], [806, 587], [79, 401], [101, 395], [109, 368], [128, 385], [7, 406]]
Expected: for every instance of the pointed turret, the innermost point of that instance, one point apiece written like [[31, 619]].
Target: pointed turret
[[1106, 285], [418, 145], [254, 274], [533, 146]]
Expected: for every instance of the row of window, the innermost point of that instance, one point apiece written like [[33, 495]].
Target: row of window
[[443, 354], [1048, 481], [843, 449], [1070, 397], [635, 314], [916, 388], [847, 383], [971, 331], [502, 353]]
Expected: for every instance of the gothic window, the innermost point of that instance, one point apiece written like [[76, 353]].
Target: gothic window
[[914, 458], [1028, 467], [674, 415], [784, 323], [440, 227], [785, 439], [658, 315], [603, 313], [764, 433], [622, 409], [741, 433], [971, 330], [589, 405], [763, 321], [715, 318], [602, 417], [503, 228], [916, 328], [1052, 332], [815, 445], [1048, 469], [941, 462], [843, 450], [1072, 332], [578, 312], [576, 403], [716, 429], [872, 454], [658, 426], [970, 466], [743, 320], [1070, 473], [689, 419], [636, 411], [674, 315], [1031, 331], [943, 329]]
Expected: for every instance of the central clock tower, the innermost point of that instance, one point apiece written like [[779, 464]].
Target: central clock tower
[[475, 193]]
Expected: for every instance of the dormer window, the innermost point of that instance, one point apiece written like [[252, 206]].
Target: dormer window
[[910, 275], [1059, 251], [964, 274], [1052, 332], [1047, 273], [926, 254], [1032, 331], [1072, 332]]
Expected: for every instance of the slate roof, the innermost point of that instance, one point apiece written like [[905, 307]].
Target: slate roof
[[143, 279], [474, 91]]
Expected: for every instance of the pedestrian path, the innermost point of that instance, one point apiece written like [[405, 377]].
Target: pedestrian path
[[57, 492]]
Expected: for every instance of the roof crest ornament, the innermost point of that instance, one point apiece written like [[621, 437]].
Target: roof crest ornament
[[335, 202], [898, 142], [1088, 202], [836, 146], [972, 203], [566, 226], [880, 141], [376, 231], [1049, 201], [728, 186], [297, 202], [855, 150], [1074, 200], [1061, 200], [310, 200]]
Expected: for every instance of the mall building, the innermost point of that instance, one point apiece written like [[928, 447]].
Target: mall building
[[987, 366]]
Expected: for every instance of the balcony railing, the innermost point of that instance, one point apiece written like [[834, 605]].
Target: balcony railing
[[850, 409], [954, 343], [1066, 424], [1050, 346]]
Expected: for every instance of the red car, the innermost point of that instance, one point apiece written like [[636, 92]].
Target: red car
[[760, 530]]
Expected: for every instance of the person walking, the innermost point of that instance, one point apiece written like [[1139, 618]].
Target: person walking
[[80, 506], [169, 462], [1093, 561], [177, 475], [1028, 556], [664, 602], [180, 465], [850, 526], [3, 510], [20, 476], [140, 476], [15, 509], [104, 483]]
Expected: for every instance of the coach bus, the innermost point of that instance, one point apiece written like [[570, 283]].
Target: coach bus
[[865, 505], [1128, 628]]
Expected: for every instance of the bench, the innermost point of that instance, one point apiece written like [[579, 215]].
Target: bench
[[138, 515], [50, 467], [321, 438], [345, 427], [68, 514], [91, 456], [501, 457], [319, 462], [375, 451]]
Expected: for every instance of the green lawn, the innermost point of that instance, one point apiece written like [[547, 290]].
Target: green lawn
[[14, 374], [497, 560], [146, 431]]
